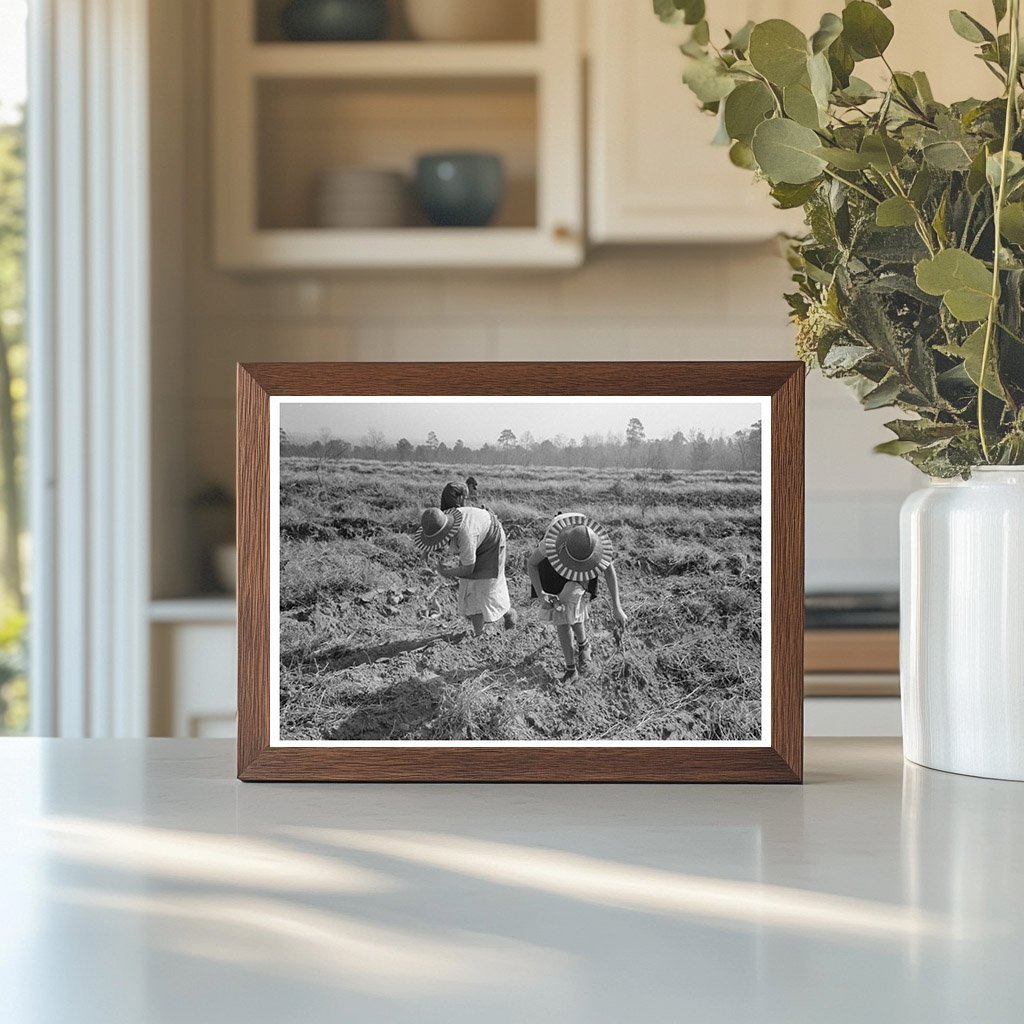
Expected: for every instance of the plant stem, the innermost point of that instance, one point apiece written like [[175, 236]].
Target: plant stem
[[768, 85], [993, 309], [923, 228], [856, 188]]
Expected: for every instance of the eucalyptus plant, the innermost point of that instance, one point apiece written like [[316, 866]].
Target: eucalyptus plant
[[909, 280]]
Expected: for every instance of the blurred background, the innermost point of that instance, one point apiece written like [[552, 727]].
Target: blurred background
[[247, 180]]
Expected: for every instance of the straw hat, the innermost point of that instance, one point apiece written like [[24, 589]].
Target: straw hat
[[577, 547], [437, 527]]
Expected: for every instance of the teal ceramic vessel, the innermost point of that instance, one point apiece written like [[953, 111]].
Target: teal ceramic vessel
[[461, 190], [334, 21]]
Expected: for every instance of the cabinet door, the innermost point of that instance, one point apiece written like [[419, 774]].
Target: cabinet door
[[654, 176]]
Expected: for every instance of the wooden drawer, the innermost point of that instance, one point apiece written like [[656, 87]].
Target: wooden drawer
[[852, 650]]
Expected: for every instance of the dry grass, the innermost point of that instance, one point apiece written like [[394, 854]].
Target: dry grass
[[371, 647]]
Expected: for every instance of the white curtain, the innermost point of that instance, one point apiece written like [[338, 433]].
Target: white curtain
[[88, 319]]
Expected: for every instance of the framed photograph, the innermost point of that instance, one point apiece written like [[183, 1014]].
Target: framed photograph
[[519, 572]]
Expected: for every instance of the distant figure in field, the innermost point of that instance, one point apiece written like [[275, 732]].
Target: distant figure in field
[[564, 571], [477, 537], [471, 488]]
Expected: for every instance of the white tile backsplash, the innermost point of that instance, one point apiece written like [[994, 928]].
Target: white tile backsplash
[[704, 303], [653, 302]]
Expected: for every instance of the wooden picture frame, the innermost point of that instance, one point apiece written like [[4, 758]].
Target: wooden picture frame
[[778, 757]]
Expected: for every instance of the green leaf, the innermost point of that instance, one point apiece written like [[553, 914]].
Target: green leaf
[[841, 60], [896, 447], [844, 159], [708, 80], [963, 281], [676, 12], [829, 30], [1014, 169], [866, 29], [896, 212], [924, 87], [999, 7], [923, 431], [701, 33], [947, 156], [820, 77], [800, 105], [971, 352], [695, 11], [969, 28], [921, 185], [1012, 225], [785, 152], [883, 153], [906, 89], [667, 11], [885, 394], [858, 91], [741, 155], [778, 50], [789, 197], [976, 174], [739, 41], [746, 107], [939, 220]]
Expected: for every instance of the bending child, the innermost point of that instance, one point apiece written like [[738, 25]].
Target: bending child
[[564, 571]]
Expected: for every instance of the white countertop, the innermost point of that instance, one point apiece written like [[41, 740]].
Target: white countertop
[[143, 885]]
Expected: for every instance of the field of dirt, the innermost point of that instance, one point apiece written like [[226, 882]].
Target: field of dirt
[[371, 647]]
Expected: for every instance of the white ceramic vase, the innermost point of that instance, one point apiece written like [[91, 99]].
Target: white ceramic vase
[[962, 624]]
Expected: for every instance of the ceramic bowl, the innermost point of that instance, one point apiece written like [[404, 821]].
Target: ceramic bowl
[[358, 197], [334, 20], [460, 189]]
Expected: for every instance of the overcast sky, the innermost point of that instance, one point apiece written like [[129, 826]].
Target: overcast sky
[[477, 422]]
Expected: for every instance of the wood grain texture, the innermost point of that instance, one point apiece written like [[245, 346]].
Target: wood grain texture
[[782, 761], [252, 485], [787, 571]]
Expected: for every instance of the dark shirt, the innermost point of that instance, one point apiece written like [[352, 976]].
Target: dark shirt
[[552, 582]]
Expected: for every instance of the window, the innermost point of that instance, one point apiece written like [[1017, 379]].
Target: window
[[14, 550]]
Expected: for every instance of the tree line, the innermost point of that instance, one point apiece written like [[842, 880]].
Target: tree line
[[693, 450]]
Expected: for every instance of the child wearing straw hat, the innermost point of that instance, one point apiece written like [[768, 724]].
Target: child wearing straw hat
[[478, 538], [564, 570]]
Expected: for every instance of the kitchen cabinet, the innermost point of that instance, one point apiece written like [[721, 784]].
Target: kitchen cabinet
[[192, 646], [286, 113], [653, 175]]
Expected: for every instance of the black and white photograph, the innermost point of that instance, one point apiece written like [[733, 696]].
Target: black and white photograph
[[520, 570]]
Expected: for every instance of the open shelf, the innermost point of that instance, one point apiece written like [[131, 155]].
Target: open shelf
[[393, 60], [406, 248], [520, 17], [306, 128], [286, 114]]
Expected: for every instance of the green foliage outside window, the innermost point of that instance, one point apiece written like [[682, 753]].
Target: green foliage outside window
[[13, 410]]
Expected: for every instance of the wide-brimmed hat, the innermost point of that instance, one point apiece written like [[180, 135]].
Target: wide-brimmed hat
[[437, 527], [577, 547]]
